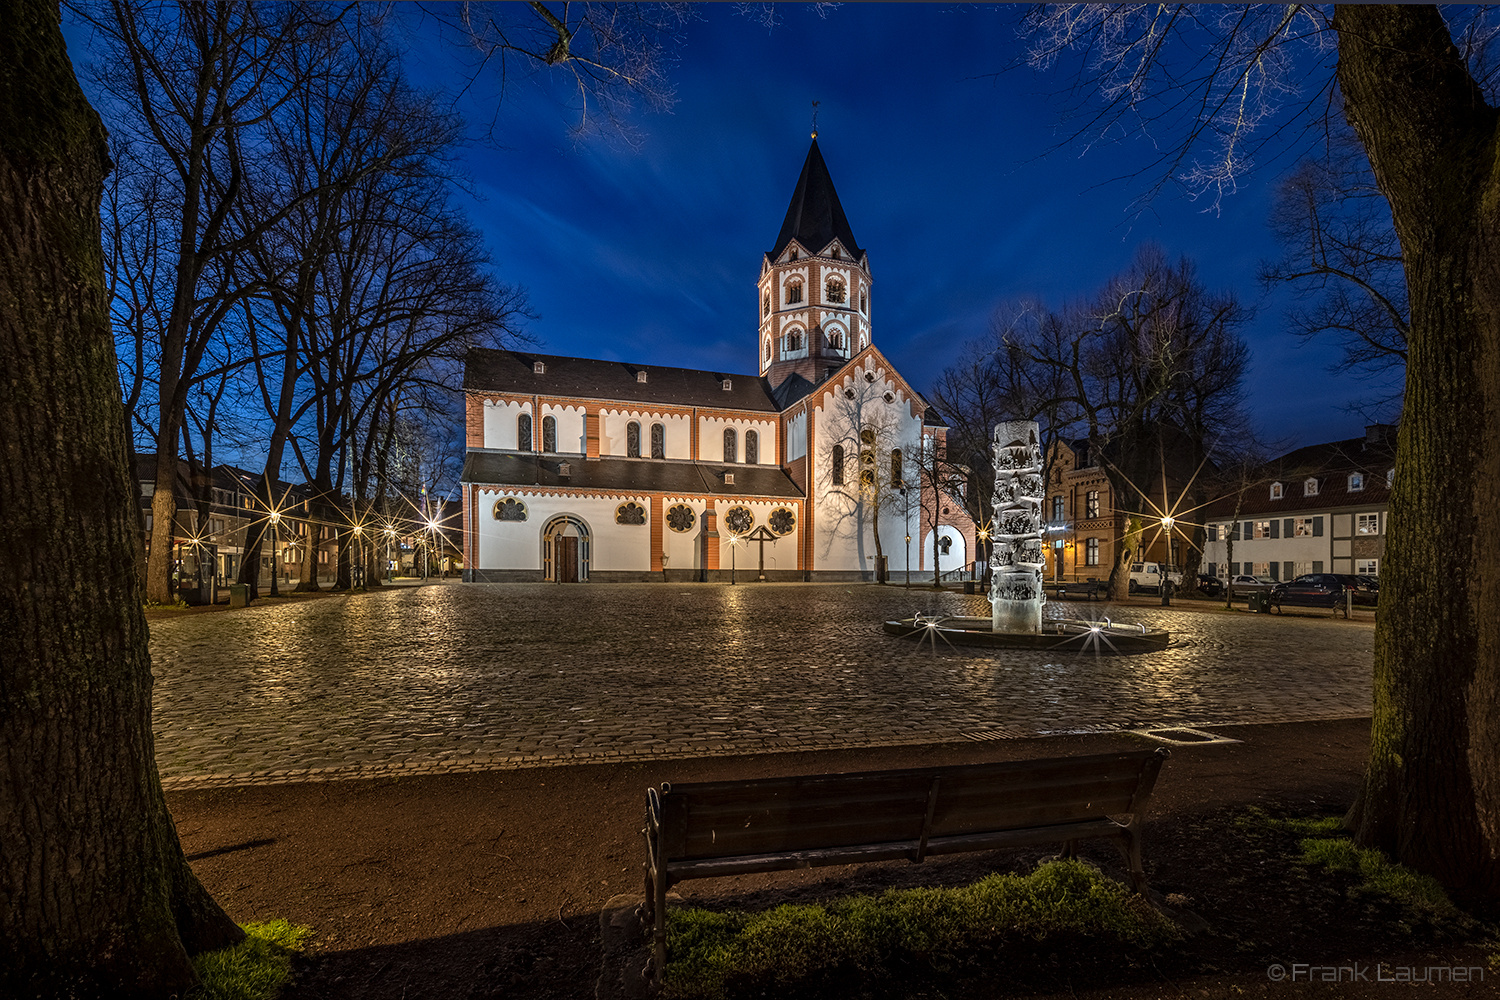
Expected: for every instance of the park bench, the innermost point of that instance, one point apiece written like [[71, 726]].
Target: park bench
[[717, 828], [1092, 589]]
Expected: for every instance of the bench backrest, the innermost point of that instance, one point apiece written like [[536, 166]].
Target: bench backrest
[[727, 819]]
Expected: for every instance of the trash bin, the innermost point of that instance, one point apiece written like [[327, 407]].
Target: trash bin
[[1260, 602], [969, 586], [237, 592]]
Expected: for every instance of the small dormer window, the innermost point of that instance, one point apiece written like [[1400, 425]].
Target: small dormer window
[[565, 469], [640, 376], [1356, 482], [835, 253], [728, 479], [791, 254], [1310, 488], [539, 367], [727, 385], [1276, 491]]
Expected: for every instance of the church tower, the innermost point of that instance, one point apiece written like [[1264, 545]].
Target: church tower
[[814, 285]]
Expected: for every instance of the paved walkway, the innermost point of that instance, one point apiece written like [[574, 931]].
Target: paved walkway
[[476, 677]]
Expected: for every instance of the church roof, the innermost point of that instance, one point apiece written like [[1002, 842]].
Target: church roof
[[487, 370], [626, 475], [815, 218]]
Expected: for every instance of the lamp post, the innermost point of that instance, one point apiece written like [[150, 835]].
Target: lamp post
[[359, 539], [733, 544], [275, 551], [984, 537], [390, 534]]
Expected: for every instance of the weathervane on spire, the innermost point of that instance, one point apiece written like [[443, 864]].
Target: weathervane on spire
[[815, 119]]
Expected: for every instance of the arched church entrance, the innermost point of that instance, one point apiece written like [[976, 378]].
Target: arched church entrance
[[566, 541]]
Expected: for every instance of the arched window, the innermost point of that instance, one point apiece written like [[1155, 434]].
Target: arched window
[[783, 521], [731, 445], [794, 292], [864, 302], [838, 465], [768, 348], [794, 341], [510, 509], [752, 447], [633, 439], [765, 305], [523, 432], [549, 434], [836, 340], [658, 441], [896, 465], [833, 290]]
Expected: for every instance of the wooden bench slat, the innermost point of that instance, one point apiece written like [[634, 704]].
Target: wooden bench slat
[[898, 850]]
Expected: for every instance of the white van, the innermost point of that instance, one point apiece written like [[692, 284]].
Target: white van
[[1148, 576]]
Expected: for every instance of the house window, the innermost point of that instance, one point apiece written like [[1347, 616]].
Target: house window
[[630, 513], [838, 465], [1091, 507], [896, 470], [633, 439], [523, 432], [794, 292], [1057, 510], [549, 434], [1367, 524], [1091, 552], [731, 445], [1356, 482], [1262, 530], [1367, 567], [752, 447], [1302, 527], [510, 509], [1260, 569], [833, 289], [1310, 488], [1276, 491]]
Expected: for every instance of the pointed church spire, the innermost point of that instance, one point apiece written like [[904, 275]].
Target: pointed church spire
[[815, 218]]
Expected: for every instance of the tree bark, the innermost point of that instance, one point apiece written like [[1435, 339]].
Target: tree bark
[[1431, 794], [95, 896]]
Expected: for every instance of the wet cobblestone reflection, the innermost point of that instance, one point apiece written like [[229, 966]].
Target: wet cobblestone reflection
[[453, 677]]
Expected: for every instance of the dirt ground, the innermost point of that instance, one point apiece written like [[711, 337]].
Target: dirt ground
[[469, 886]]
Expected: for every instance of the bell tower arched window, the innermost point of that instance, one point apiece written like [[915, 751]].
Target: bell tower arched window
[[731, 445], [633, 440], [658, 441], [752, 448], [794, 293], [523, 432], [549, 434], [833, 290]]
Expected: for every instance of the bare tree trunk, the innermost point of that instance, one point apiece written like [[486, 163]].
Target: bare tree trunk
[[96, 898], [1431, 794]]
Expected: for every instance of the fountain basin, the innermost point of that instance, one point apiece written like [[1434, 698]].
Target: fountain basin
[[1068, 635]]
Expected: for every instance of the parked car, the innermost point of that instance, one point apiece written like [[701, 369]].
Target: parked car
[[1210, 586], [1250, 584], [1317, 590], [1149, 575], [1366, 589]]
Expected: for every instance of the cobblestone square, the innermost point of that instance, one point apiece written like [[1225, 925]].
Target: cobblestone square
[[455, 676]]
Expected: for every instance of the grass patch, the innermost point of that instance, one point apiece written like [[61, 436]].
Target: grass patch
[[1379, 875], [256, 968], [927, 929]]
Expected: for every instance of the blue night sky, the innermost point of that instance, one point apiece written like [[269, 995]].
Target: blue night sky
[[951, 175]]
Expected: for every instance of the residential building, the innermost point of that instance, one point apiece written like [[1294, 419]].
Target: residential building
[[1318, 509]]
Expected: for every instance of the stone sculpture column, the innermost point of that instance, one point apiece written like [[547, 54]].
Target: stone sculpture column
[[1016, 567]]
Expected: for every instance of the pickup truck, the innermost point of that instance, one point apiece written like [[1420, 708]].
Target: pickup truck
[[1149, 575]]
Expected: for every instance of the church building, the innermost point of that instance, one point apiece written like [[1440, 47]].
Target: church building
[[819, 467]]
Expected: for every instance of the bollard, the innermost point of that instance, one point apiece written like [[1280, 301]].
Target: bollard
[[1348, 603], [1166, 593]]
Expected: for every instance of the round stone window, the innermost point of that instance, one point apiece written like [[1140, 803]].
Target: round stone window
[[783, 521], [630, 513], [680, 517], [510, 509], [739, 520]]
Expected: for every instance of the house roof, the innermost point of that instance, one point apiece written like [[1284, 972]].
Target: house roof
[[815, 218], [626, 475], [487, 370], [1330, 464]]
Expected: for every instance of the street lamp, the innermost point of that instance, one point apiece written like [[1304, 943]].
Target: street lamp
[[984, 537], [733, 544], [275, 551], [390, 536], [360, 539]]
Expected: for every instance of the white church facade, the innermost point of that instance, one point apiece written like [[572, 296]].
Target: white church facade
[[583, 470]]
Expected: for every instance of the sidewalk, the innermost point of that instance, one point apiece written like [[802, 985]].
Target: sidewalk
[[491, 884]]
